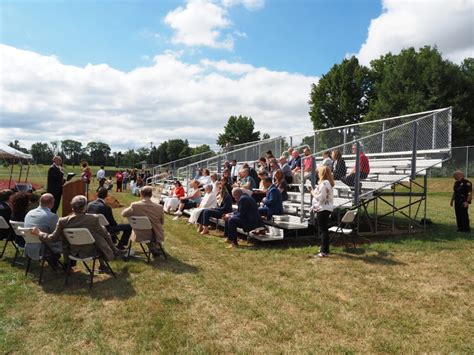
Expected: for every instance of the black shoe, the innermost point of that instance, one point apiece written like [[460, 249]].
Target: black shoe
[[155, 252], [121, 252], [121, 247]]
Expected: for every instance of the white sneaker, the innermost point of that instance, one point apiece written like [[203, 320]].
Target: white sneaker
[[322, 255], [178, 213]]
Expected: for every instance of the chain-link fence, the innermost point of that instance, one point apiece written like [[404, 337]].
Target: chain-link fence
[[248, 154], [207, 159], [402, 150], [462, 158], [324, 139]]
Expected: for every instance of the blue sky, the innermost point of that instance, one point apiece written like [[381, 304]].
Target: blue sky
[[304, 36], [159, 70]]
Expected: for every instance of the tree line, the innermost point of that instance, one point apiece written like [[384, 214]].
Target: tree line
[[100, 153], [238, 130], [408, 82]]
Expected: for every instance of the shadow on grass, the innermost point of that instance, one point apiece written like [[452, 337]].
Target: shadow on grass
[[380, 258], [105, 285], [171, 264]]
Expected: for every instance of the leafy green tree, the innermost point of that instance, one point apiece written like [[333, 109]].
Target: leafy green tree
[[200, 149], [265, 136], [162, 153], [98, 152], [341, 96], [54, 146], [16, 145], [72, 150], [177, 149], [238, 130], [143, 153], [42, 153], [414, 81]]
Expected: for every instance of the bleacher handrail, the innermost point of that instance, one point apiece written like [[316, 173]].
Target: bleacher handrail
[[217, 157], [363, 123], [215, 153]]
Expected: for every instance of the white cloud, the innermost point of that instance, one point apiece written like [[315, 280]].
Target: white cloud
[[199, 23], [248, 4], [447, 24], [44, 100], [207, 23], [225, 66]]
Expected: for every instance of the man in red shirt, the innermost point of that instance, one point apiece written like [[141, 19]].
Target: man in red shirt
[[364, 168]]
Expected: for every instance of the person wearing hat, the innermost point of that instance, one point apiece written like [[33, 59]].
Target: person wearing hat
[[461, 199]]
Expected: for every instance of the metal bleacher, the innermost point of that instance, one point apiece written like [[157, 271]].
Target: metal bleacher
[[400, 149]]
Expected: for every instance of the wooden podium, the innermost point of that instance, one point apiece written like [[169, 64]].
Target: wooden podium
[[70, 189]]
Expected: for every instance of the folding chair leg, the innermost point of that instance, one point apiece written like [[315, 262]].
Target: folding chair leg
[[4, 247], [354, 242], [162, 250], [16, 256], [28, 263], [87, 267], [41, 271], [68, 266], [129, 248], [147, 254], [92, 273], [108, 265]]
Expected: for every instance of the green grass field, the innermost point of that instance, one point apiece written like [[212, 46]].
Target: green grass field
[[410, 293]]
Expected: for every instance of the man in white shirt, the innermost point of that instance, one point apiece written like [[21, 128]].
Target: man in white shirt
[[101, 176], [234, 171], [46, 221], [205, 179]]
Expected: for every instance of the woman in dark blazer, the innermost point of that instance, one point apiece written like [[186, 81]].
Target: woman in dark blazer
[[339, 169]]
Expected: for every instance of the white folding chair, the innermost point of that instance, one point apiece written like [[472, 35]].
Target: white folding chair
[[102, 220], [345, 225], [82, 236], [4, 226], [143, 223], [19, 250], [31, 238]]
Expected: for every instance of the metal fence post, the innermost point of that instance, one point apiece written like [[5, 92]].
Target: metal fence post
[[219, 165], [302, 189], [291, 141], [344, 131], [357, 175], [383, 137], [314, 143], [433, 138], [414, 151], [450, 129], [467, 162]]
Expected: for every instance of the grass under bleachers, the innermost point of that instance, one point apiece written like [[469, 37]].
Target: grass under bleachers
[[404, 294]]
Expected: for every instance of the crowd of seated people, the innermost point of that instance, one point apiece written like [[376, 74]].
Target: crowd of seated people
[[254, 205], [49, 228]]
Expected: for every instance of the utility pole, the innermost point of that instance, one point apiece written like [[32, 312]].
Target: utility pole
[[151, 152]]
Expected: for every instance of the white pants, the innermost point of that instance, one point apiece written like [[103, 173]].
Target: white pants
[[171, 203], [195, 215]]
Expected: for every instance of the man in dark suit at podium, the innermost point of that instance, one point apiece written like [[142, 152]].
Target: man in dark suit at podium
[[56, 181]]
